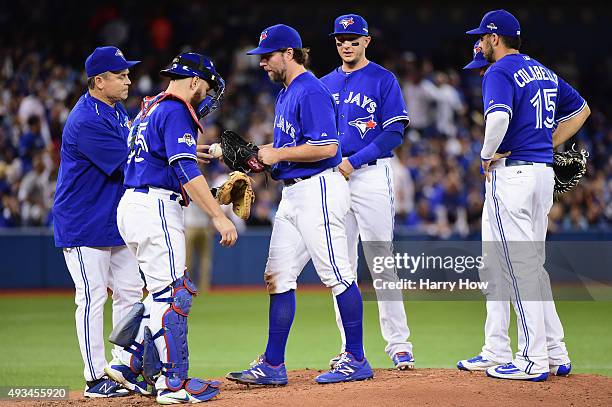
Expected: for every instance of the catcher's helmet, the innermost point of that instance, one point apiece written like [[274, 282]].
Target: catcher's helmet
[[191, 64]]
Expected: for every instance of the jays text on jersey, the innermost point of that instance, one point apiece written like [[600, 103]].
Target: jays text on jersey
[[90, 179], [373, 103], [532, 119], [164, 131], [305, 113]]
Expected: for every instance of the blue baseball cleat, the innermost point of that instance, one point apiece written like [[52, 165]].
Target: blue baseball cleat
[[262, 373], [561, 370], [403, 361], [509, 371], [104, 388], [347, 369]]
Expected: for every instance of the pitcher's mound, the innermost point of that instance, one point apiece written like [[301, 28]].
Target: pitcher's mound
[[420, 387]]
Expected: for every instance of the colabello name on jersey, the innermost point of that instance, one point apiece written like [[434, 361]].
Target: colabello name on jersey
[[534, 73]]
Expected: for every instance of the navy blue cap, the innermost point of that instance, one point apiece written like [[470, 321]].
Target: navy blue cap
[[277, 37], [189, 64], [498, 22], [105, 59], [479, 60], [350, 24]]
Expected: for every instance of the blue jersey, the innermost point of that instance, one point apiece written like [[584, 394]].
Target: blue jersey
[[90, 178], [369, 100], [536, 99], [165, 130], [305, 113]]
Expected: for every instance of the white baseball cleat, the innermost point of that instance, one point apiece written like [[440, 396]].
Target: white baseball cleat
[[509, 371], [477, 363]]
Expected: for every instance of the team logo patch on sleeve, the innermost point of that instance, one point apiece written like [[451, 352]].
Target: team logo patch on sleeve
[[364, 124], [187, 139]]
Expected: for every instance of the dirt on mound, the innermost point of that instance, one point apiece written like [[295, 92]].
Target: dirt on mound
[[421, 387]]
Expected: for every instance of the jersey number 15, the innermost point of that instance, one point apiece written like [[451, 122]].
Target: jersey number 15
[[548, 95]]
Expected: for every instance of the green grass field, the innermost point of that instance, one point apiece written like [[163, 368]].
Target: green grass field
[[228, 330]]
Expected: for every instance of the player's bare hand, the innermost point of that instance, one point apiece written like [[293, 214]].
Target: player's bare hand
[[202, 153], [346, 168], [487, 163], [269, 155], [226, 229]]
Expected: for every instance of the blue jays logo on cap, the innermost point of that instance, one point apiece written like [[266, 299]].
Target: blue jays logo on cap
[[498, 22], [263, 36], [350, 24], [277, 37], [346, 22]]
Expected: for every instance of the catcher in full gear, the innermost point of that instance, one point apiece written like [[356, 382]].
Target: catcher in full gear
[[161, 177]]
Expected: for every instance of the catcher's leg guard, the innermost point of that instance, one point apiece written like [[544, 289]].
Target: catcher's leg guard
[[128, 333], [151, 364], [125, 331], [170, 310]]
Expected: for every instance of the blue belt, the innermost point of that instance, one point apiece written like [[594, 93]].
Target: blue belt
[[511, 163], [173, 196]]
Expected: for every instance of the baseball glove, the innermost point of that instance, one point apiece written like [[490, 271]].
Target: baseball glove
[[569, 167], [240, 155], [238, 191]]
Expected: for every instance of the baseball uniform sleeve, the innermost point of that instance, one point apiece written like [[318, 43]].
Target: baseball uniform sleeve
[[180, 134], [497, 92], [393, 107], [102, 145], [569, 102], [317, 119]]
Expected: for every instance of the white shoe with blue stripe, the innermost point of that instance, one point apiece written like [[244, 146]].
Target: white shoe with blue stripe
[[509, 371], [477, 363], [561, 370]]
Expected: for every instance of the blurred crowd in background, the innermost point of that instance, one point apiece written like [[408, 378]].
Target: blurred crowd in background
[[438, 185]]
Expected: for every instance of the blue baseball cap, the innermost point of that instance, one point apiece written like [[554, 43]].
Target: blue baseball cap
[[105, 59], [277, 37], [498, 22], [479, 60], [350, 24], [189, 64]]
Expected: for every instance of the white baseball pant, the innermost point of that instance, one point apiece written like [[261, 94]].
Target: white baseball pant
[[94, 270], [310, 224], [518, 201], [372, 218], [152, 226]]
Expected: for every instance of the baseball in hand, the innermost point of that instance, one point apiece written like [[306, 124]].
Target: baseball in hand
[[215, 150]]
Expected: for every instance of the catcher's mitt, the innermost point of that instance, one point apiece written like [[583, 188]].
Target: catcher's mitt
[[238, 191], [240, 155], [569, 167]]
